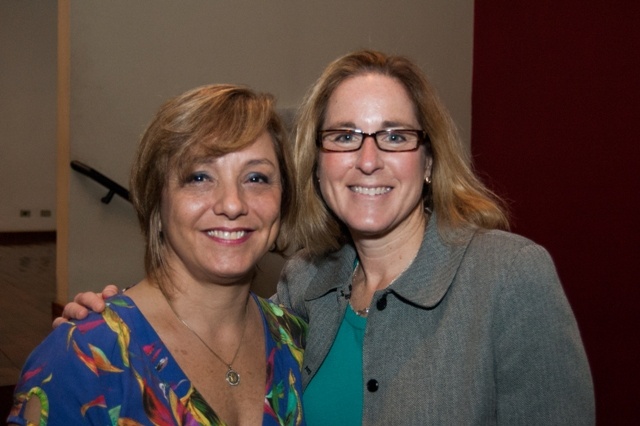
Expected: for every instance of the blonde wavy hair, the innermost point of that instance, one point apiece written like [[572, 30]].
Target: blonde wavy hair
[[456, 195], [205, 122]]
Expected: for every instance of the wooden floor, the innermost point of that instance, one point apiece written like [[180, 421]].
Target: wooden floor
[[27, 288]]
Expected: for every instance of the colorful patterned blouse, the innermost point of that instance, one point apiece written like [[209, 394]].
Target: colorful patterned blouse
[[113, 369]]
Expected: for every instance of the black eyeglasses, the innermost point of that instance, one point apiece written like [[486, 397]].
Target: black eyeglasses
[[391, 140]]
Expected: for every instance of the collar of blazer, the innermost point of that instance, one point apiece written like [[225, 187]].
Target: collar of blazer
[[424, 283]]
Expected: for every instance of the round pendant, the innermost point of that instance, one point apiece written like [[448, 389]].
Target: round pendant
[[233, 378]]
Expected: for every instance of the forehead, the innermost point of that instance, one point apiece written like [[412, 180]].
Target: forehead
[[261, 149], [370, 98]]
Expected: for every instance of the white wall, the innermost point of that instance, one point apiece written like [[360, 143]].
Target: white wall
[[27, 114], [127, 57]]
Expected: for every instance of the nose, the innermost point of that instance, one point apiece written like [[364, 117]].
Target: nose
[[230, 202], [369, 159]]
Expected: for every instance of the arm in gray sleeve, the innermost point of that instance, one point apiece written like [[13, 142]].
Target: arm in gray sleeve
[[543, 375]]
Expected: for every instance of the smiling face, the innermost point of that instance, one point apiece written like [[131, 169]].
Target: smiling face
[[220, 221], [373, 192]]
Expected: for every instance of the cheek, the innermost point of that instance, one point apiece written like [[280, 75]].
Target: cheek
[[413, 168], [178, 209], [320, 169], [165, 211], [275, 229], [323, 174], [327, 166], [331, 168], [267, 207], [277, 209]]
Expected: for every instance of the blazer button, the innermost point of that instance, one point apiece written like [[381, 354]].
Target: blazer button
[[381, 304], [372, 385]]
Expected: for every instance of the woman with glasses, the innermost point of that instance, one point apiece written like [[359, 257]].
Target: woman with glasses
[[422, 309]]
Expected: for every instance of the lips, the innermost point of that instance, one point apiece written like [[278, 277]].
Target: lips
[[226, 235], [375, 190]]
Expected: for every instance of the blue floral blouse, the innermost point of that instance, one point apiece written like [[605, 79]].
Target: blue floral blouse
[[112, 368]]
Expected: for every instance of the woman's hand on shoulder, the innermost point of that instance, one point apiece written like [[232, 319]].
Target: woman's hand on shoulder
[[85, 302]]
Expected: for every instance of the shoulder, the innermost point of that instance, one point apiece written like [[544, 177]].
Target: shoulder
[[96, 327], [305, 277], [506, 247], [521, 272], [104, 330], [98, 335], [72, 367], [79, 349], [303, 269], [494, 238], [304, 264], [300, 264]]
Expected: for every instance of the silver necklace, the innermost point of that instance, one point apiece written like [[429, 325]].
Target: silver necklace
[[359, 312], [232, 376]]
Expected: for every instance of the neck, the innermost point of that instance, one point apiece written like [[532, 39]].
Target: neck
[[204, 306], [383, 259], [215, 306]]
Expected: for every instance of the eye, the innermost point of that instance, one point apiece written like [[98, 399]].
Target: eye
[[393, 137], [197, 177], [258, 178], [340, 136], [343, 137]]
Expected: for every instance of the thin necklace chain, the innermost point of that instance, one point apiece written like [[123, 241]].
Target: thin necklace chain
[[365, 311], [359, 312], [232, 376]]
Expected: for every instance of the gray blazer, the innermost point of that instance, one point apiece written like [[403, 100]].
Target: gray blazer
[[476, 333]]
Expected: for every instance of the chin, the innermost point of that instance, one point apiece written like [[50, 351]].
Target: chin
[[369, 230]]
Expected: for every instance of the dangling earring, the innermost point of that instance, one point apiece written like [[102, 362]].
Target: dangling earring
[[426, 194]]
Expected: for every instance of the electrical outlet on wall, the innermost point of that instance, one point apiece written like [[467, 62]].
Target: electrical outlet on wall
[[45, 213], [25, 213]]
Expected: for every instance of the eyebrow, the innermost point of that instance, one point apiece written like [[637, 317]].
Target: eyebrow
[[259, 161], [251, 162], [385, 124]]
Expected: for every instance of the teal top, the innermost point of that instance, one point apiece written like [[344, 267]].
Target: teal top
[[339, 379]]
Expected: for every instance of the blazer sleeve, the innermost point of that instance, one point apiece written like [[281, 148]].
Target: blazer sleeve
[[543, 375]]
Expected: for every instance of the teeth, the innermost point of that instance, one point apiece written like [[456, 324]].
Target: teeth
[[371, 191], [227, 235]]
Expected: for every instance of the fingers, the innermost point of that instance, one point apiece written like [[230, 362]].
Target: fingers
[[84, 302], [74, 311], [110, 290], [58, 322], [71, 311]]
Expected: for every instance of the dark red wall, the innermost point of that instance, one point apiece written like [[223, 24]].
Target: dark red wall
[[556, 131]]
